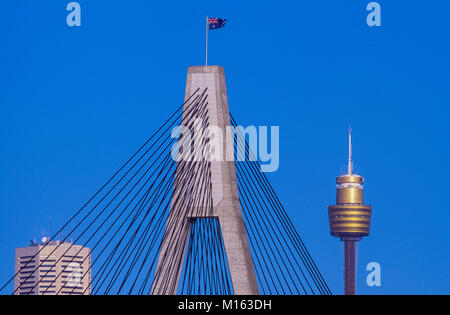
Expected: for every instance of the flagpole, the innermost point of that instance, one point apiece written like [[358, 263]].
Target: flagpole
[[206, 61]]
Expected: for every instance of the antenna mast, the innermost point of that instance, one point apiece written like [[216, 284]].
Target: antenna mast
[[350, 163]]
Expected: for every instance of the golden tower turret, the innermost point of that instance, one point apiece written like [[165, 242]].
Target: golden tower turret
[[350, 217]]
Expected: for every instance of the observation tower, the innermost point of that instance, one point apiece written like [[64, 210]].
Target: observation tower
[[350, 217]]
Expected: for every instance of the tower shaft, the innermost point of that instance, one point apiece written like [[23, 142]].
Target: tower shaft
[[349, 273], [225, 200]]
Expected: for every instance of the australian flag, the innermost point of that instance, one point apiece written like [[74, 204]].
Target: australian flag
[[215, 23]]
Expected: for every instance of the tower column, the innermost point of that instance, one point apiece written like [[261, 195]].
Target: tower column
[[225, 198], [349, 286]]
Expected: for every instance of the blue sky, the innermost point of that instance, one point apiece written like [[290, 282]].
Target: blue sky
[[76, 102]]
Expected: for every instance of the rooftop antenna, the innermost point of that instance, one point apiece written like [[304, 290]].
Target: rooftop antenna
[[35, 232], [350, 163], [49, 225]]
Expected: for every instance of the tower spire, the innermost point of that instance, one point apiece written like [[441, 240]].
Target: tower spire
[[350, 162]]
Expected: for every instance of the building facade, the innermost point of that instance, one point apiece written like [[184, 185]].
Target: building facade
[[53, 268]]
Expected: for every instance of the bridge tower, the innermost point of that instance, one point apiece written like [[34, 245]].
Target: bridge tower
[[225, 200], [350, 217]]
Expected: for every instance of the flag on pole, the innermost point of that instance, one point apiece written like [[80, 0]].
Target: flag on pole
[[212, 24], [215, 23]]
